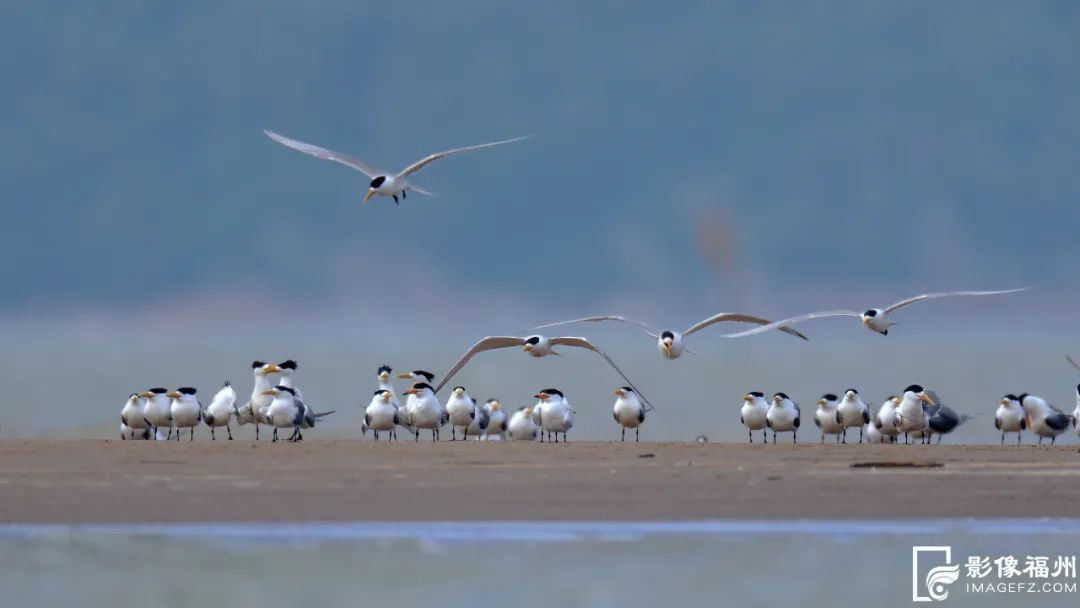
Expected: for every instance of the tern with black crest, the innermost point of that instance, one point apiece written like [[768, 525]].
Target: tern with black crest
[[383, 183], [629, 413]]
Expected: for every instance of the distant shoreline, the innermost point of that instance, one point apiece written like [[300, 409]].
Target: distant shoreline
[[98, 481]]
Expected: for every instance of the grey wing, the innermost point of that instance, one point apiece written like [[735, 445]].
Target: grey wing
[[649, 330], [324, 154], [739, 318], [488, 343], [427, 160], [792, 321], [949, 294], [1073, 361], [586, 344]]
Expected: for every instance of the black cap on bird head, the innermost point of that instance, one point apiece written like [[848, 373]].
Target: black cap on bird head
[[914, 388], [461, 387], [186, 390], [157, 390], [257, 364], [870, 313], [286, 389], [627, 389], [780, 395], [384, 368], [829, 397], [757, 394], [378, 181], [1011, 397], [533, 340], [422, 385], [552, 391], [419, 372], [288, 364], [667, 335]]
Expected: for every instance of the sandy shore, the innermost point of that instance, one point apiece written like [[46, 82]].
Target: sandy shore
[[113, 481]]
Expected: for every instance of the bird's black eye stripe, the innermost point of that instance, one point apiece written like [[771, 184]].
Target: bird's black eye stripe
[[667, 335]]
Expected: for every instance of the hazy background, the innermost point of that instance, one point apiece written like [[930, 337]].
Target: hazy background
[[772, 157]]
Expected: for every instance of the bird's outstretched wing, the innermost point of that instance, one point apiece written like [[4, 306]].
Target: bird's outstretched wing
[[427, 160], [488, 343], [649, 330], [420, 190], [792, 321], [586, 344], [325, 154], [740, 318], [1073, 361], [948, 294]]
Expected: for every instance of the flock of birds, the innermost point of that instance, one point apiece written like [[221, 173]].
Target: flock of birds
[[161, 414]]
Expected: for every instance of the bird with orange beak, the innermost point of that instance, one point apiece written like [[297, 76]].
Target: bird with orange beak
[[555, 414], [424, 410], [254, 411], [629, 413]]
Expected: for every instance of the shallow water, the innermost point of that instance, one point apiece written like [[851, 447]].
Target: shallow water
[[528, 563]]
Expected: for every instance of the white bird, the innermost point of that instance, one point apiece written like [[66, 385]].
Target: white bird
[[1044, 419], [285, 410], [1010, 418], [536, 346], [186, 410], [222, 407], [460, 410], [424, 410], [383, 375], [873, 435], [133, 419], [629, 413], [382, 183], [784, 416], [852, 412], [497, 423], [754, 415], [670, 343], [158, 411], [254, 411], [874, 319], [522, 427], [911, 418], [480, 422], [287, 378], [885, 419], [1076, 412], [381, 414], [139, 434], [826, 417], [556, 415]]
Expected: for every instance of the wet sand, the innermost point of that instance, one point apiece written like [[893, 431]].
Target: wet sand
[[114, 481]]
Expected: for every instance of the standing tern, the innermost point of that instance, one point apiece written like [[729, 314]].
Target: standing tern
[[556, 415], [1044, 419], [424, 410], [522, 426], [381, 414], [1009, 417], [670, 342], [852, 412], [461, 411], [629, 413], [784, 416], [254, 411], [222, 407], [827, 418], [158, 411], [497, 420], [186, 410], [885, 419], [285, 411], [754, 415], [875, 319], [478, 426], [133, 420], [536, 346], [382, 183], [911, 418]]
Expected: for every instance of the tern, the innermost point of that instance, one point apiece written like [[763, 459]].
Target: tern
[[383, 374], [254, 411], [885, 419], [852, 412], [382, 183], [522, 427], [186, 410], [1044, 419], [133, 419], [629, 413], [1009, 417], [381, 414], [754, 415], [285, 410], [158, 411], [222, 407], [424, 410], [556, 415], [537, 346], [461, 411], [497, 420], [670, 343], [827, 418], [911, 417], [875, 319], [478, 426], [784, 416]]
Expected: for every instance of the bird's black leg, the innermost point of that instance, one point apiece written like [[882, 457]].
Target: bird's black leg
[[229, 431], [1003, 439], [637, 435], [624, 433], [212, 437], [256, 431], [860, 434], [764, 436], [751, 434], [417, 436], [274, 436], [192, 437], [434, 435], [395, 200], [1018, 439], [794, 437], [845, 434], [403, 195], [773, 437]]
